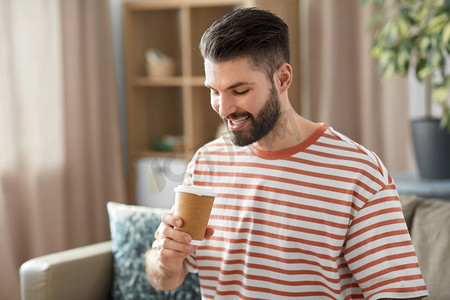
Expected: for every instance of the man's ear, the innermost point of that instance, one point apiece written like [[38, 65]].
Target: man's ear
[[284, 76]]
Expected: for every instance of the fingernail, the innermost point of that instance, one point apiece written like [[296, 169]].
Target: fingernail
[[187, 238], [178, 223]]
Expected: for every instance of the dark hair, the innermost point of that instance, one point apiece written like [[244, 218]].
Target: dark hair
[[248, 32]]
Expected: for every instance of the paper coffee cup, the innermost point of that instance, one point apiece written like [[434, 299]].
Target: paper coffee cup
[[193, 205]]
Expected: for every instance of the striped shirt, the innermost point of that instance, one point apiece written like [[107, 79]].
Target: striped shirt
[[320, 220]]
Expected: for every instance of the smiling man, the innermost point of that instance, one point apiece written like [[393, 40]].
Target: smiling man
[[301, 210]]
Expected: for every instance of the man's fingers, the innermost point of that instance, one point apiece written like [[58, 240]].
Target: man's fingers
[[171, 220], [209, 232], [168, 248], [174, 234]]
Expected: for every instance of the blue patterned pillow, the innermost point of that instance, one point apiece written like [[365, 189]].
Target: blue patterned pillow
[[132, 233]]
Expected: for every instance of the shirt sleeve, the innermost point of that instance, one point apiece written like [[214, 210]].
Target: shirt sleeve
[[190, 263], [379, 251], [189, 174]]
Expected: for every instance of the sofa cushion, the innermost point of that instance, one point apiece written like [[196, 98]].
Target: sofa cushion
[[409, 205], [431, 238], [132, 233]]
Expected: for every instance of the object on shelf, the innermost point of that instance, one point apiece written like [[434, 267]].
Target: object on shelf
[[159, 64], [171, 143]]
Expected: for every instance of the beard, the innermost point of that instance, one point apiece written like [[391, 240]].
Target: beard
[[262, 123]]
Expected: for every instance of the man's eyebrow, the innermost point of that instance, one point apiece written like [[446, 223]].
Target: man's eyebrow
[[233, 86], [238, 84]]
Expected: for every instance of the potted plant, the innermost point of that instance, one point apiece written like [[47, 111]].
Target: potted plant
[[415, 35]]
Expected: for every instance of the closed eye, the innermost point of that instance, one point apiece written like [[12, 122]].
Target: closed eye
[[241, 92]]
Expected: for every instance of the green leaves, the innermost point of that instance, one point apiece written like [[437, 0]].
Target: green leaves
[[440, 94], [446, 35], [436, 23], [392, 46], [423, 70], [413, 33]]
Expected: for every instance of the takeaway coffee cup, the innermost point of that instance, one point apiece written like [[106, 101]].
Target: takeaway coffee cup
[[193, 205]]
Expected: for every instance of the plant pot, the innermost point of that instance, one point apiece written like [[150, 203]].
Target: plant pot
[[432, 148]]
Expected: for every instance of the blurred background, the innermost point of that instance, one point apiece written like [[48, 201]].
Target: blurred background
[[75, 133]]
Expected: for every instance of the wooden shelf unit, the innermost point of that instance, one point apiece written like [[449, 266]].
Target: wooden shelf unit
[[175, 105]]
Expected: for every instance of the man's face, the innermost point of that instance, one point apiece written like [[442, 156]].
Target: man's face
[[244, 98]]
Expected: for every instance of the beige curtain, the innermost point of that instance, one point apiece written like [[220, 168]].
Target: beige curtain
[[342, 87], [60, 151]]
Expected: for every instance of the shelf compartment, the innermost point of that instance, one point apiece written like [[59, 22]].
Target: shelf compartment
[[162, 154], [152, 29], [158, 112], [175, 81]]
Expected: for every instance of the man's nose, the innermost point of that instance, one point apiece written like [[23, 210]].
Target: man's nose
[[225, 105]]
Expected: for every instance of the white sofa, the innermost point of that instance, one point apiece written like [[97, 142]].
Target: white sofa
[[80, 273], [87, 272]]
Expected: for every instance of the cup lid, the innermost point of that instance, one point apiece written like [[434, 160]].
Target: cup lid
[[197, 190]]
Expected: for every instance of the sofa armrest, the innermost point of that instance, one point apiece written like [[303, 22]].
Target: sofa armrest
[[79, 273], [431, 239]]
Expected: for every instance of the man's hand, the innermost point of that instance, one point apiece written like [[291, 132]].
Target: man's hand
[[164, 262], [172, 244]]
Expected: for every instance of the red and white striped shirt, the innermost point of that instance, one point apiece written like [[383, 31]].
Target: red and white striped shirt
[[319, 220]]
